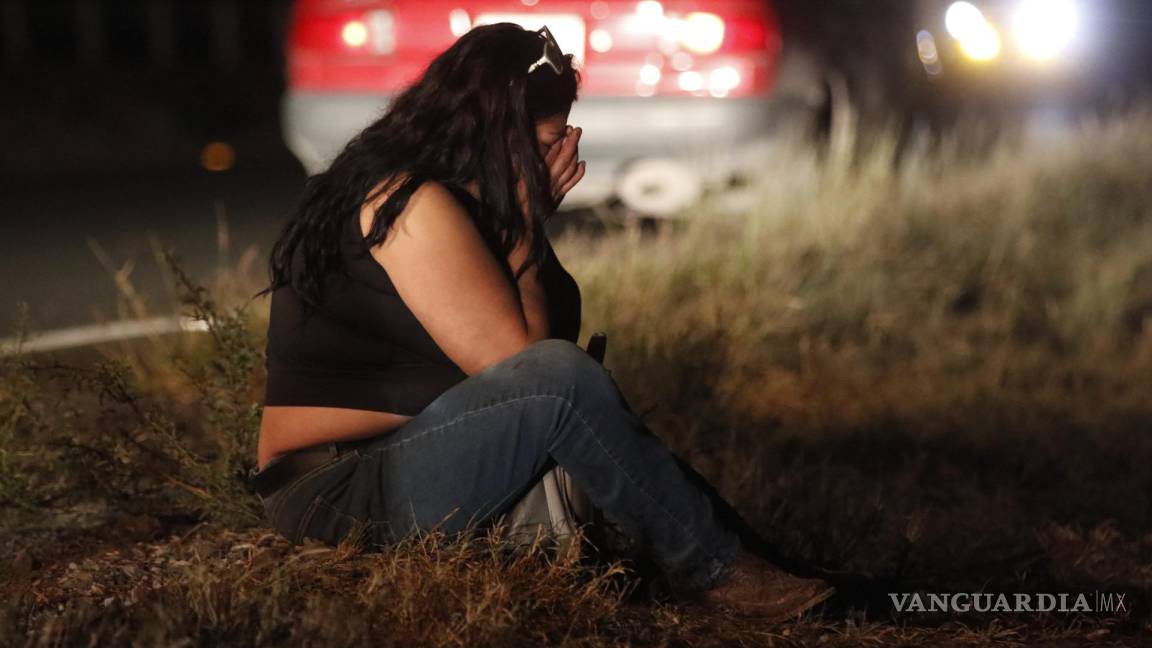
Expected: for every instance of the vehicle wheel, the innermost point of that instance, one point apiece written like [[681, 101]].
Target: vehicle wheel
[[658, 187], [615, 216]]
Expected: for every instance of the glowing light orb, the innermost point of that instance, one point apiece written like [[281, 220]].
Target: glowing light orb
[[1044, 29], [218, 157], [355, 34], [963, 19], [978, 38]]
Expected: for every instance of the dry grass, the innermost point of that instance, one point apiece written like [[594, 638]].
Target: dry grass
[[253, 588], [925, 373]]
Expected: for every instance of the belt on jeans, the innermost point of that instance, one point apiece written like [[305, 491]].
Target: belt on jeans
[[284, 468], [287, 467]]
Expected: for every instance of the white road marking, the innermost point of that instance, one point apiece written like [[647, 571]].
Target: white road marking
[[78, 336]]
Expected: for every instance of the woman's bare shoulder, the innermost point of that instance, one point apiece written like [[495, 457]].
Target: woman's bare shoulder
[[432, 205]]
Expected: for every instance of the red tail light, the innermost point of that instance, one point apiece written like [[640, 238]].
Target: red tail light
[[673, 48], [371, 32], [720, 48], [334, 46], [750, 34]]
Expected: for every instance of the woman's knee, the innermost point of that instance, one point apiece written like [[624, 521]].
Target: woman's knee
[[559, 360], [557, 350]]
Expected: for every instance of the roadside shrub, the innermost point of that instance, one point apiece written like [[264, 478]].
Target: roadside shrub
[[76, 430]]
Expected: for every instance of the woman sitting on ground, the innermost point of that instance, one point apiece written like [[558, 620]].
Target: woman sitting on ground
[[423, 370]]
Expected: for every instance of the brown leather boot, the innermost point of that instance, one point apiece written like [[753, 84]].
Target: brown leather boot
[[756, 587]]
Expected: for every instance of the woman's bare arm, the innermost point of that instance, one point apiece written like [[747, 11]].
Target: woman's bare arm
[[559, 147], [533, 300], [449, 279]]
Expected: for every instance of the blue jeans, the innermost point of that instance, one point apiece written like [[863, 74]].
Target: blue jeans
[[475, 450]]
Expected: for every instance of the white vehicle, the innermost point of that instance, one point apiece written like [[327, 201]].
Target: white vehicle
[[675, 94]]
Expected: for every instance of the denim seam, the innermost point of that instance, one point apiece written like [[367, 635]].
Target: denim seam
[[322, 504], [685, 528], [302, 524], [291, 487], [332, 508], [456, 420]]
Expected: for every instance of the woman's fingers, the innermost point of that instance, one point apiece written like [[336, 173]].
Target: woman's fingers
[[553, 151], [566, 156], [565, 163], [564, 176], [555, 147], [561, 152], [572, 181]]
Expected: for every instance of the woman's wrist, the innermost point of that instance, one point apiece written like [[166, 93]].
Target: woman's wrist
[[530, 288]]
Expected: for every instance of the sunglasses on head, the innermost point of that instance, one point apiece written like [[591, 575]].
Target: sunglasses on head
[[552, 56]]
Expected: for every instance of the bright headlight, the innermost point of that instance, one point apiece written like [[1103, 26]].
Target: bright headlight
[[1045, 28], [983, 45], [977, 37], [963, 19]]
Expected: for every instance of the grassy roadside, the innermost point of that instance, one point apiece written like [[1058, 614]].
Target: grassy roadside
[[928, 374]]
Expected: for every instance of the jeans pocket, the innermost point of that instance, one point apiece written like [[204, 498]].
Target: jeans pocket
[[289, 508], [324, 522]]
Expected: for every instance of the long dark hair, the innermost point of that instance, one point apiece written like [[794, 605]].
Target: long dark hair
[[470, 117]]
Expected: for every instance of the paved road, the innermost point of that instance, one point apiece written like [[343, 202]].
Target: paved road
[[47, 222], [48, 219]]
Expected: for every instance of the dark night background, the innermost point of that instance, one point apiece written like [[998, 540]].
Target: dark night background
[[921, 368], [107, 105]]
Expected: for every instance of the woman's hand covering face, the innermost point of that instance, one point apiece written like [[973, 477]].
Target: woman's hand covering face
[[561, 158], [564, 167]]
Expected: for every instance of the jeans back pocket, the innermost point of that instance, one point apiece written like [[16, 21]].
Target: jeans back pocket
[[290, 507], [324, 522]]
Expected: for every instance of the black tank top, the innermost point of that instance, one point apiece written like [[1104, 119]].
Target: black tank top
[[364, 349]]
